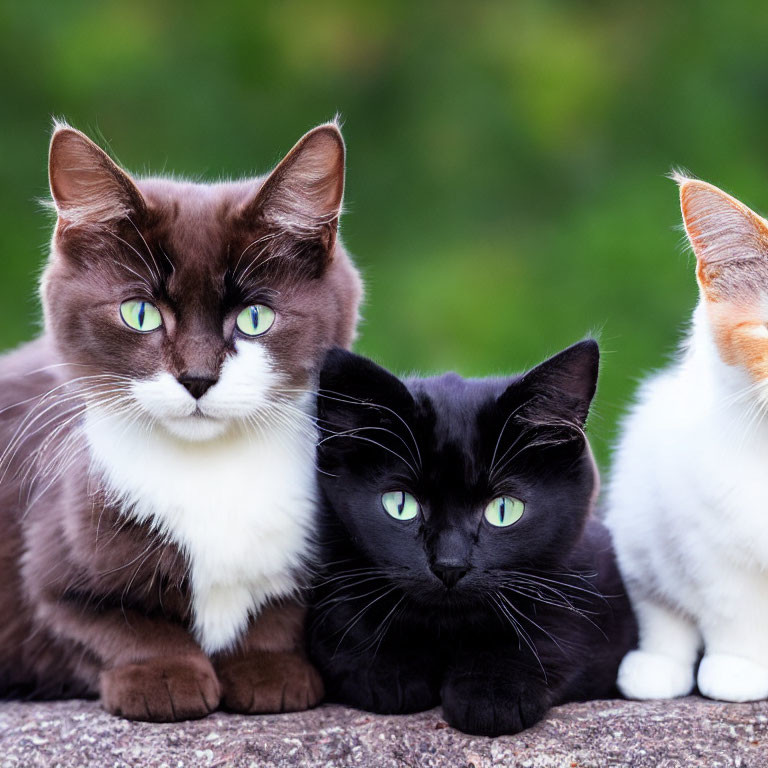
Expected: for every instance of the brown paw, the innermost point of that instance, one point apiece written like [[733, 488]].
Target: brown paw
[[262, 682], [165, 689]]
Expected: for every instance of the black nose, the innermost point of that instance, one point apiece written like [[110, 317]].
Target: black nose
[[197, 386], [449, 574]]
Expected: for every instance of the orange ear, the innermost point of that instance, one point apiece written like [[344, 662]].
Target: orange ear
[[720, 227], [724, 234]]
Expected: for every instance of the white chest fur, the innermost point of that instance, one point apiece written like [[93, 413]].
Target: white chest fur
[[239, 508]]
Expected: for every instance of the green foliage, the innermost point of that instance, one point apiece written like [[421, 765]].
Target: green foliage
[[506, 190]]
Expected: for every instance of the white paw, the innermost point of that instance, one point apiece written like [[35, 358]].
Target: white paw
[[732, 678], [644, 675]]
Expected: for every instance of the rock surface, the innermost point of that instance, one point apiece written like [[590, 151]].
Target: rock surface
[[600, 734]]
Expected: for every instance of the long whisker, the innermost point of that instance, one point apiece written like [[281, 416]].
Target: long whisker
[[348, 399]]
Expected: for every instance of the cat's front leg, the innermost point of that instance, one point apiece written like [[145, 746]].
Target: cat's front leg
[[387, 684], [269, 672], [735, 662], [491, 694], [150, 668], [393, 674], [663, 665]]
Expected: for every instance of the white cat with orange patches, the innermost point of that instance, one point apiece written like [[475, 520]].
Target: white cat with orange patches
[[688, 499]]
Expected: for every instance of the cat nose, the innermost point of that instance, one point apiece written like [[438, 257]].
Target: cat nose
[[197, 386], [449, 573]]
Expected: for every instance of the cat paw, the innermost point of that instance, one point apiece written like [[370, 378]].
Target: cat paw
[[732, 678], [264, 683], [643, 675], [164, 689], [386, 690], [485, 707]]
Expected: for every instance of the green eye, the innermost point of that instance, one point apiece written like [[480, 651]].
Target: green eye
[[141, 316], [255, 320], [400, 505], [504, 511]]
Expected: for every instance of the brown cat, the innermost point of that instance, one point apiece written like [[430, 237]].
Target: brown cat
[[157, 443]]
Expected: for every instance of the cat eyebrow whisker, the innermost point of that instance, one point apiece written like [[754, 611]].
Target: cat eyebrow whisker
[[268, 236], [241, 277], [149, 250], [537, 442], [167, 258], [352, 434], [142, 279], [498, 439], [348, 399], [155, 275], [499, 466]]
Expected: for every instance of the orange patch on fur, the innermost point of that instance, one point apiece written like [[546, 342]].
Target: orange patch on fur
[[741, 337], [707, 277]]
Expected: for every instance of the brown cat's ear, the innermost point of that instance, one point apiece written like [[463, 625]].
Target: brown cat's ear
[[303, 195], [724, 234], [86, 184]]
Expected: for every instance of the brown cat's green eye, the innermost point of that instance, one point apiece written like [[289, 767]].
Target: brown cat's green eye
[[141, 316], [255, 320]]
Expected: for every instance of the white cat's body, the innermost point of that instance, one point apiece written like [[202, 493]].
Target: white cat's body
[[688, 509]]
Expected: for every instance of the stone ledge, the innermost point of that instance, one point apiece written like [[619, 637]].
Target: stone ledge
[[600, 734]]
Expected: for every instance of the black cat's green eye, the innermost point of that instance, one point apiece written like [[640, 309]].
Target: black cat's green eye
[[400, 505], [504, 511], [255, 320], [141, 316]]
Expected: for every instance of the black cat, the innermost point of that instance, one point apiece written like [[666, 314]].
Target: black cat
[[463, 565]]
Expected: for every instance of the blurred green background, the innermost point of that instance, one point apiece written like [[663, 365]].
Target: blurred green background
[[506, 190]]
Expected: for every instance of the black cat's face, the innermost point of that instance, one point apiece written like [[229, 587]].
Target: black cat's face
[[447, 484]]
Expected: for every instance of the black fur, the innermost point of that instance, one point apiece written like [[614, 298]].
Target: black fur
[[538, 615]]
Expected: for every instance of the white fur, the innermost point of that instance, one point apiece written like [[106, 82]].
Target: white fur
[[229, 479], [688, 508]]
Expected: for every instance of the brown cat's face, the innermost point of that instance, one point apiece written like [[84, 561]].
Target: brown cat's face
[[731, 246], [198, 307]]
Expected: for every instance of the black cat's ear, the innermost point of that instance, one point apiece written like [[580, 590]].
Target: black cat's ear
[[87, 186], [354, 390], [303, 195], [559, 391]]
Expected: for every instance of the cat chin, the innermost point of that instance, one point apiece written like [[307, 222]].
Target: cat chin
[[196, 428]]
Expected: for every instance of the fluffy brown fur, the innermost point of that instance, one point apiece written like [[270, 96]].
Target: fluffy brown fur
[[93, 602]]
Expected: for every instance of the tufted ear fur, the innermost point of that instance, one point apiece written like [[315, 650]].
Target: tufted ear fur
[[87, 186], [558, 392], [303, 195], [730, 240]]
